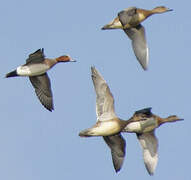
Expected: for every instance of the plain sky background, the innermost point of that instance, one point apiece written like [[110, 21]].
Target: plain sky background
[[36, 144]]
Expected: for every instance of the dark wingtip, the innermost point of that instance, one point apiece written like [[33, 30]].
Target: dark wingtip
[[11, 74], [49, 108], [92, 68], [146, 111], [151, 174], [117, 170], [145, 68], [117, 167]]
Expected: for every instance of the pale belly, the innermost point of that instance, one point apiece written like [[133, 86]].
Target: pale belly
[[141, 126], [106, 129], [32, 70]]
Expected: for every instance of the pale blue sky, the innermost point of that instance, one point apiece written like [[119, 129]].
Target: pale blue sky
[[39, 145]]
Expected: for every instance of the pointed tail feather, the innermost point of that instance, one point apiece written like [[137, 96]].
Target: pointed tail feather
[[11, 74]]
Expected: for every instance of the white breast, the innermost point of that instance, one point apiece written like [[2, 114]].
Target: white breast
[[141, 126], [32, 70], [133, 127]]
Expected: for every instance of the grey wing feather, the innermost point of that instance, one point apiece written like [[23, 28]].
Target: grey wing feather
[[146, 111], [36, 57], [117, 145], [137, 35], [43, 91], [149, 144], [126, 15], [104, 99]]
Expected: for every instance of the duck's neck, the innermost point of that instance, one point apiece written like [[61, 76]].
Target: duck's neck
[[143, 14], [51, 62], [124, 122]]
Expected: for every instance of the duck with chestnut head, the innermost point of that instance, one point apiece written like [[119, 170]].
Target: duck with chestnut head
[[36, 68]]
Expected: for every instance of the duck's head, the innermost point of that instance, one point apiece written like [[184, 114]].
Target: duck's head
[[172, 118], [65, 58], [161, 9]]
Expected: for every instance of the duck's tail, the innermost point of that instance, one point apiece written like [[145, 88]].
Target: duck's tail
[[86, 133], [11, 74]]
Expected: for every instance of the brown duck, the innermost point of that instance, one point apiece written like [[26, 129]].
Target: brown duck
[[129, 20], [109, 126], [144, 123]]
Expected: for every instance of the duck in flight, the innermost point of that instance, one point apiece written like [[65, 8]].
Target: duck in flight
[[36, 68], [130, 21], [109, 126], [144, 123]]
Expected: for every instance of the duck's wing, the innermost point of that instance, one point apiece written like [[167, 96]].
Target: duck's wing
[[126, 15], [36, 57], [104, 99], [149, 144], [137, 35], [145, 111], [43, 91], [117, 145]]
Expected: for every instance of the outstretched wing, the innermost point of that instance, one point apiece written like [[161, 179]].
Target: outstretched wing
[[140, 48], [104, 99], [36, 57], [149, 144], [43, 91], [117, 145]]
